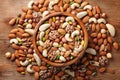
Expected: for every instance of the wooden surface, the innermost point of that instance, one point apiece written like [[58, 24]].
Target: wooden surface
[[10, 8]]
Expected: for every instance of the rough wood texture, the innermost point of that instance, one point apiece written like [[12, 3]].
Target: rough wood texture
[[10, 8]]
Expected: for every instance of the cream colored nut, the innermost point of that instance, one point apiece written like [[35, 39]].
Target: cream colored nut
[[92, 20], [74, 5], [25, 63], [44, 53], [45, 13], [52, 2], [30, 4], [37, 59], [101, 20], [109, 55], [111, 29], [75, 33], [62, 49], [29, 69], [30, 31], [102, 47], [67, 37], [103, 31], [77, 50], [81, 14], [41, 35], [65, 24], [44, 27], [28, 26], [94, 63], [71, 73], [8, 54], [14, 41], [70, 19], [88, 7], [55, 44], [41, 43], [91, 51], [62, 58]]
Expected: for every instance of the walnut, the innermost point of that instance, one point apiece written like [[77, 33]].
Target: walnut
[[69, 29], [53, 35], [103, 60]]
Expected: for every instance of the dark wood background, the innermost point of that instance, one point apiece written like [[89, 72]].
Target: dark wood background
[[10, 8]]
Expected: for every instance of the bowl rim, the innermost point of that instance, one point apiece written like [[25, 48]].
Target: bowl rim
[[62, 63]]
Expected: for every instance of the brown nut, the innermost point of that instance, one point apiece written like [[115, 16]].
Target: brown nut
[[20, 69], [12, 21]]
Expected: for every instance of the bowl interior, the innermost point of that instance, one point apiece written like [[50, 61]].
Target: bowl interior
[[68, 62]]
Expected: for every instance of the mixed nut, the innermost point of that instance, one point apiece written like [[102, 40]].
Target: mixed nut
[[96, 57], [56, 35]]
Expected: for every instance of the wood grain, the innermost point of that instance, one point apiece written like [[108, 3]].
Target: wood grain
[[10, 8]]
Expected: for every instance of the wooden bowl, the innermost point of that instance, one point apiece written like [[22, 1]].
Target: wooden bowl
[[67, 62]]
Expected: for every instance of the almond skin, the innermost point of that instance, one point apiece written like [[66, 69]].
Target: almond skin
[[36, 75], [12, 22], [116, 45], [56, 8], [102, 69], [17, 62], [14, 46], [14, 31], [36, 68], [86, 19], [20, 69], [11, 36], [93, 35]]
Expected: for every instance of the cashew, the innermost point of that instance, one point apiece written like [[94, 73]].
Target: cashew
[[30, 31], [62, 58], [101, 20], [25, 63], [71, 73], [92, 20], [30, 4], [41, 43], [62, 49], [74, 33], [88, 7], [65, 24], [44, 27], [94, 63], [52, 2], [41, 35], [111, 29], [103, 31], [8, 54], [77, 50], [91, 51], [44, 53], [14, 41], [70, 19], [81, 14], [29, 68], [38, 60], [74, 5], [67, 37], [55, 44], [45, 13], [28, 26]]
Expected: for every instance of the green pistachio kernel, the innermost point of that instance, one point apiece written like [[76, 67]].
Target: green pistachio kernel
[[25, 24], [46, 22], [54, 19], [19, 41], [60, 45], [47, 31], [58, 57], [78, 26], [43, 39], [71, 57], [76, 39], [70, 22], [37, 43], [71, 2], [23, 73]]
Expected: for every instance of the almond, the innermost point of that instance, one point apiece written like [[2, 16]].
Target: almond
[[17, 62], [23, 47], [65, 6], [43, 67], [43, 9], [78, 1], [29, 16], [61, 31], [102, 69], [97, 28], [36, 68], [60, 3], [20, 69], [29, 12], [88, 72], [102, 26], [12, 21], [116, 45], [19, 34], [93, 27], [13, 31], [102, 53], [93, 35], [46, 3], [67, 53], [25, 35], [61, 73], [68, 10], [90, 13], [11, 35], [22, 58], [99, 35], [100, 41], [24, 9], [12, 57], [41, 1], [105, 42], [57, 78], [56, 8], [36, 75], [14, 46], [29, 55], [104, 36], [108, 47], [109, 39], [98, 10], [85, 19], [35, 8], [40, 49]]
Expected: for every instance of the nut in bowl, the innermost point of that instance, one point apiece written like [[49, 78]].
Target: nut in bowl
[[60, 39]]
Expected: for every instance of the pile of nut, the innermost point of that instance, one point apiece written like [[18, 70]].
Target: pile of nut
[[96, 57], [60, 39]]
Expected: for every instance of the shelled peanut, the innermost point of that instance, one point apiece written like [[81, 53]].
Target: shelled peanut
[[97, 55]]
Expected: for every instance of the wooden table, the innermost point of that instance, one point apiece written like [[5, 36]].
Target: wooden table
[[10, 8]]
